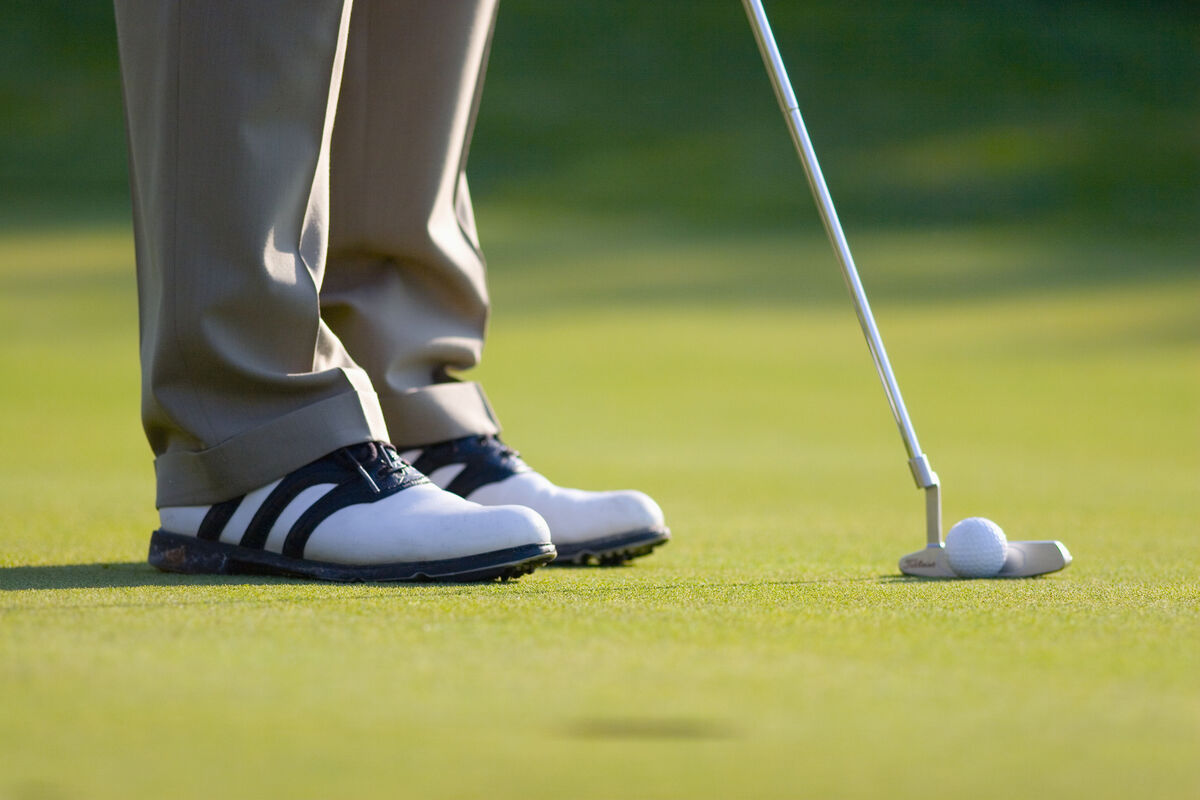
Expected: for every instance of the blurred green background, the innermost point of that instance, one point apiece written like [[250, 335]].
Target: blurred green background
[[922, 113]]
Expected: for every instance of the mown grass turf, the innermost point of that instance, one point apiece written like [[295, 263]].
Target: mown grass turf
[[771, 650]]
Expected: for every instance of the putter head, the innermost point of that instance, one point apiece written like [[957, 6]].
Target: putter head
[[1026, 559], [1023, 560], [929, 562]]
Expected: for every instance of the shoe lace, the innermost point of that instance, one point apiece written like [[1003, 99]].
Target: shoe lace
[[380, 454], [495, 443]]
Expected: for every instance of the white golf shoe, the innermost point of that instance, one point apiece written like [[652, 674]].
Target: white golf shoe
[[587, 527], [358, 514]]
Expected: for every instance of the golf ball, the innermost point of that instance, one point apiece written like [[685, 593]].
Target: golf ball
[[976, 547]]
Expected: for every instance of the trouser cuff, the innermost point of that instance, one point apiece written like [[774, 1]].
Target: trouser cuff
[[255, 458], [438, 412]]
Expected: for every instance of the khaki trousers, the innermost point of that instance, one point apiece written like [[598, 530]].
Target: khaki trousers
[[308, 267]]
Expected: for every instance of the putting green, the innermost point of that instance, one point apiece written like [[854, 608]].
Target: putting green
[[771, 650]]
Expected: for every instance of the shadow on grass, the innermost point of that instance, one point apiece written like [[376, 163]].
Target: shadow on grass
[[901, 578], [131, 574], [136, 574], [679, 728], [114, 575], [891, 579]]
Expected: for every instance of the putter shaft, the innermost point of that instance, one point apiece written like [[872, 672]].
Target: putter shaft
[[923, 474], [918, 463]]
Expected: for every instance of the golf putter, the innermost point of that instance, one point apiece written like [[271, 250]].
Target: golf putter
[[1023, 559]]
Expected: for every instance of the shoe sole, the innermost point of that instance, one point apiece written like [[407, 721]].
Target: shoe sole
[[173, 552], [611, 550]]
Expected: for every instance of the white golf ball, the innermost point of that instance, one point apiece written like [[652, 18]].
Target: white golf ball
[[976, 547]]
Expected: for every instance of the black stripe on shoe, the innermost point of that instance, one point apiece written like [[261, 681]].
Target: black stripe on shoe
[[347, 494], [217, 518], [486, 460], [314, 474], [366, 473]]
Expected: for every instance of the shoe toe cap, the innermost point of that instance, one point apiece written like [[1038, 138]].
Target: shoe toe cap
[[511, 526], [628, 511], [576, 515]]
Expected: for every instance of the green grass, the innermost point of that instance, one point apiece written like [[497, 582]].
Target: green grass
[[771, 650]]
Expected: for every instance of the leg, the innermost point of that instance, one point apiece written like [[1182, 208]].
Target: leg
[[406, 289], [270, 443], [229, 133]]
